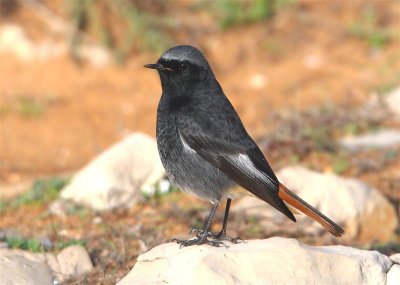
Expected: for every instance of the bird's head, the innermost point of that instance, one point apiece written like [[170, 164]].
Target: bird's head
[[182, 65]]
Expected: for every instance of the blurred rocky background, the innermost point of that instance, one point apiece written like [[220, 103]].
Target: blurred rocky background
[[83, 193]]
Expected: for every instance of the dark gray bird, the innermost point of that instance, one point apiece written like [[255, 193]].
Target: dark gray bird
[[205, 148]]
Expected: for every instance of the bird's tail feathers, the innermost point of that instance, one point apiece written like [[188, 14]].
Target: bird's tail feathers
[[301, 205]]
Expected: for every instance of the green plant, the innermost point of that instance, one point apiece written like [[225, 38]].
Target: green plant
[[24, 244], [390, 155], [294, 159], [142, 29], [233, 12], [369, 30], [351, 128], [29, 107], [34, 245], [340, 166], [254, 228], [320, 137], [78, 210], [59, 245], [41, 192]]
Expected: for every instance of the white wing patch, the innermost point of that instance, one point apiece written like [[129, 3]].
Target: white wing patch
[[186, 147], [243, 162]]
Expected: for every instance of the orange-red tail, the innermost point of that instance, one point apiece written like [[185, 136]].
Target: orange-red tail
[[298, 203]]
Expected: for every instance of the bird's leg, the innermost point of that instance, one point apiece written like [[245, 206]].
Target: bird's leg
[[202, 237], [222, 234]]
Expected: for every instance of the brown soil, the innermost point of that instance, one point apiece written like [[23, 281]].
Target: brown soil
[[308, 59], [86, 109]]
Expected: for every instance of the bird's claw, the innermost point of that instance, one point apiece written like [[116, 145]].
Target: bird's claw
[[217, 236], [198, 241]]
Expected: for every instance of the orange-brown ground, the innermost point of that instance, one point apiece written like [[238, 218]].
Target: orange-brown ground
[[308, 58]]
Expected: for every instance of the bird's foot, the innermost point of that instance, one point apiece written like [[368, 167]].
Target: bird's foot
[[198, 241], [217, 236]]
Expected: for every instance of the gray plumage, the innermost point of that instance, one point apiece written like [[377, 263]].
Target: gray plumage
[[205, 148], [203, 144]]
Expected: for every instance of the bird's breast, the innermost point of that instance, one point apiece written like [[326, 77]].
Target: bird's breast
[[183, 165]]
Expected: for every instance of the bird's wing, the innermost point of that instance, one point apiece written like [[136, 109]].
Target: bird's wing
[[235, 154]]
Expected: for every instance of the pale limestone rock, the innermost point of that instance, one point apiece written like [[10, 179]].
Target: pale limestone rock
[[270, 261], [74, 261], [19, 270], [70, 262], [395, 258], [393, 276], [381, 139], [13, 40], [392, 101], [115, 177]]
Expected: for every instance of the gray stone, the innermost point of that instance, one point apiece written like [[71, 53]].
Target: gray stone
[[46, 243], [349, 202], [20, 270], [380, 139], [62, 207], [270, 261], [115, 177], [70, 262], [74, 261]]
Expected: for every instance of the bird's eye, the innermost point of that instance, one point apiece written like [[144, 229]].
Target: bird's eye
[[183, 65]]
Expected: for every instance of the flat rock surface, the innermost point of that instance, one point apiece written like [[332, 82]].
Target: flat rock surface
[[271, 261]]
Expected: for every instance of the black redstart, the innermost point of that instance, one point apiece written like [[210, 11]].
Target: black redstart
[[205, 148]]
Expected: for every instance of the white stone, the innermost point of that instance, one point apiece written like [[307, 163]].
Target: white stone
[[74, 261], [20, 270], [96, 55], [351, 203], [395, 258], [164, 185], [14, 40], [392, 101], [70, 262], [258, 81], [312, 61], [115, 177], [270, 261], [393, 276], [380, 139]]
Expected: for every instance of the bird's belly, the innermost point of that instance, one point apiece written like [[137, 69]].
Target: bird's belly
[[193, 174]]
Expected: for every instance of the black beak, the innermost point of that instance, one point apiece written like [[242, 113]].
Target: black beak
[[154, 66], [157, 66]]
